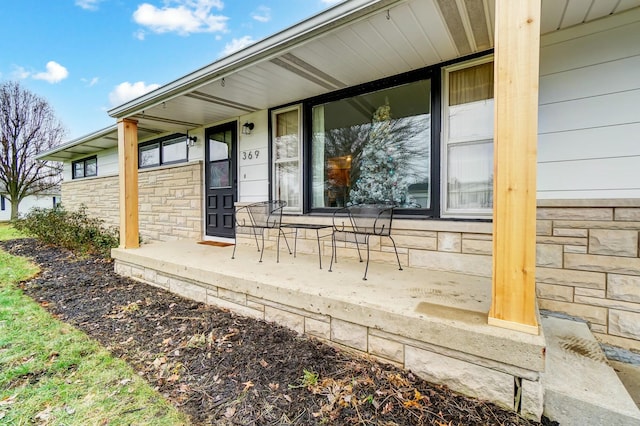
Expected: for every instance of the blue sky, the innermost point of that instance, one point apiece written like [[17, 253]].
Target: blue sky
[[87, 56]]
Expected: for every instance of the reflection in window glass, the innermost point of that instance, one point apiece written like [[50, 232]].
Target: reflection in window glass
[[470, 175], [149, 155], [218, 150], [78, 170], [286, 150], [174, 150], [91, 167], [219, 174], [373, 148]]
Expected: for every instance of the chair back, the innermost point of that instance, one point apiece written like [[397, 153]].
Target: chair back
[[266, 214], [372, 219]]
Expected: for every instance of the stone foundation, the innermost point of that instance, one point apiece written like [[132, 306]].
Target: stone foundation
[[169, 201], [513, 384]]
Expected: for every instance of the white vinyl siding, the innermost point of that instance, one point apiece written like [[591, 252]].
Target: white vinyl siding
[[253, 171], [589, 120]]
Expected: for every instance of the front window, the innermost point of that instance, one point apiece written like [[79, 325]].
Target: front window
[[84, 168], [172, 149], [373, 148], [287, 154], [468, 139]]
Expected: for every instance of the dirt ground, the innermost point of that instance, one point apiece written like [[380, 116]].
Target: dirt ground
[[225, 369]]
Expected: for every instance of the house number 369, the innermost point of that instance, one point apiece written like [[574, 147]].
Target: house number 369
[[250, 155]]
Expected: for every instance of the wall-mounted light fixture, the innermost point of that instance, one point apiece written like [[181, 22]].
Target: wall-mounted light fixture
[[191, 140], [247, 128]]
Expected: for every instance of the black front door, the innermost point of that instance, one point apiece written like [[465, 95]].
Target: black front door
[[221, 179]]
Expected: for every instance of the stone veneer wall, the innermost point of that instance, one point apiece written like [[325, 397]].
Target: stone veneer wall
[[588, 265], [100, 195], [170, 202], [587, 258]]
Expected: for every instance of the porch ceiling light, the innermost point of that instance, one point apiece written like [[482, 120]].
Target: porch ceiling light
[[247, 128]]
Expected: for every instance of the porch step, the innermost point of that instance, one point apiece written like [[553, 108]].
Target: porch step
[[580, 387]]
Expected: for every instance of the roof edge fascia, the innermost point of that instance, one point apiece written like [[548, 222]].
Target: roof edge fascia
[[270, 46], [78, 141]]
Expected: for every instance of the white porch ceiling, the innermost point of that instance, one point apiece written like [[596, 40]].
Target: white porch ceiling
[[352, 43]]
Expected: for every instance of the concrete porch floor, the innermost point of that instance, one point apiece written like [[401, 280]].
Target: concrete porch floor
[[432, 322]]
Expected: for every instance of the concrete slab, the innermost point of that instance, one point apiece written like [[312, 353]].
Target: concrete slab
[[444, 309], [580, 386]]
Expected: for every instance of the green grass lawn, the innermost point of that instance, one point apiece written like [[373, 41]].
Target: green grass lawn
[[51, 373], [7, 232]]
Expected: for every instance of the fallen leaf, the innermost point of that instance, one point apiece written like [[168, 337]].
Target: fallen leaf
[[287, 397], [247, 385], [230, 412], [274, 386], [8, 400], [264, 363]]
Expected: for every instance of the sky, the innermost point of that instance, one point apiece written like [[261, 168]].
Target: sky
[[87, 56]]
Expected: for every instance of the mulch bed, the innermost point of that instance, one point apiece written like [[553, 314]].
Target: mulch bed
[[225, 369]]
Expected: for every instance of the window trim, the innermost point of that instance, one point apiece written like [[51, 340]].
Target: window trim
[[83, 161], [435, 74], [160, 142], [446, 213], [299, 107]]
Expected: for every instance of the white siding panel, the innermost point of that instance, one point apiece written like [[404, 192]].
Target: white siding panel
[[611, 45], [594, 194], [599, 79], [108, 162], [607, 110], [254, 191], [254, 172], [588, 175], [611, 141]]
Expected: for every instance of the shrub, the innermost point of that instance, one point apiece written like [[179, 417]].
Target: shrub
[[74, 230]]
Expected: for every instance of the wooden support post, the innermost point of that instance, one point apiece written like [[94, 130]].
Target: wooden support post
[[517, 58], [128, 165]]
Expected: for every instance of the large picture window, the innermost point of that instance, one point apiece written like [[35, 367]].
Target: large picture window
[[468, 139], [172, 149], [373, 148], [84, 168]]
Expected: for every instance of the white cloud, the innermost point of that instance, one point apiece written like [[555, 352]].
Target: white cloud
[[183, 17], [262, 14], [126, 91], [20, 73], [90, 83], [88, 4], [140, 34], [55, 73], [237, 44]]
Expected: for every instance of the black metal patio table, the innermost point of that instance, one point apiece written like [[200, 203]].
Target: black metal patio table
[[316, 227]]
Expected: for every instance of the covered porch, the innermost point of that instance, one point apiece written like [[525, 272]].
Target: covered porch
[[435, 324]]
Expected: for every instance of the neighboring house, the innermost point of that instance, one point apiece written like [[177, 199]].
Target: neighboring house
[[48, 199], [290, 116]]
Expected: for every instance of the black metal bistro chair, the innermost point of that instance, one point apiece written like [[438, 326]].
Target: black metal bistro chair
[[357, 224], [259, 217]]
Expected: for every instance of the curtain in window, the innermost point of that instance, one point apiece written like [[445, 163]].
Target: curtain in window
[[471, 84]]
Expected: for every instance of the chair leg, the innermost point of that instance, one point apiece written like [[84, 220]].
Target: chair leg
[[333, 250], [278, 247], [233, 255], [355, 237], [396, 250], [262, 251], [366, 268]]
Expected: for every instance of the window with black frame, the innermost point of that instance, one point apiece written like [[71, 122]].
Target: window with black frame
[[169, 150], [373, 148], [86, 167]]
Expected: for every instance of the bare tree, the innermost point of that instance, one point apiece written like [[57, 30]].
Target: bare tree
[[28, 126]]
